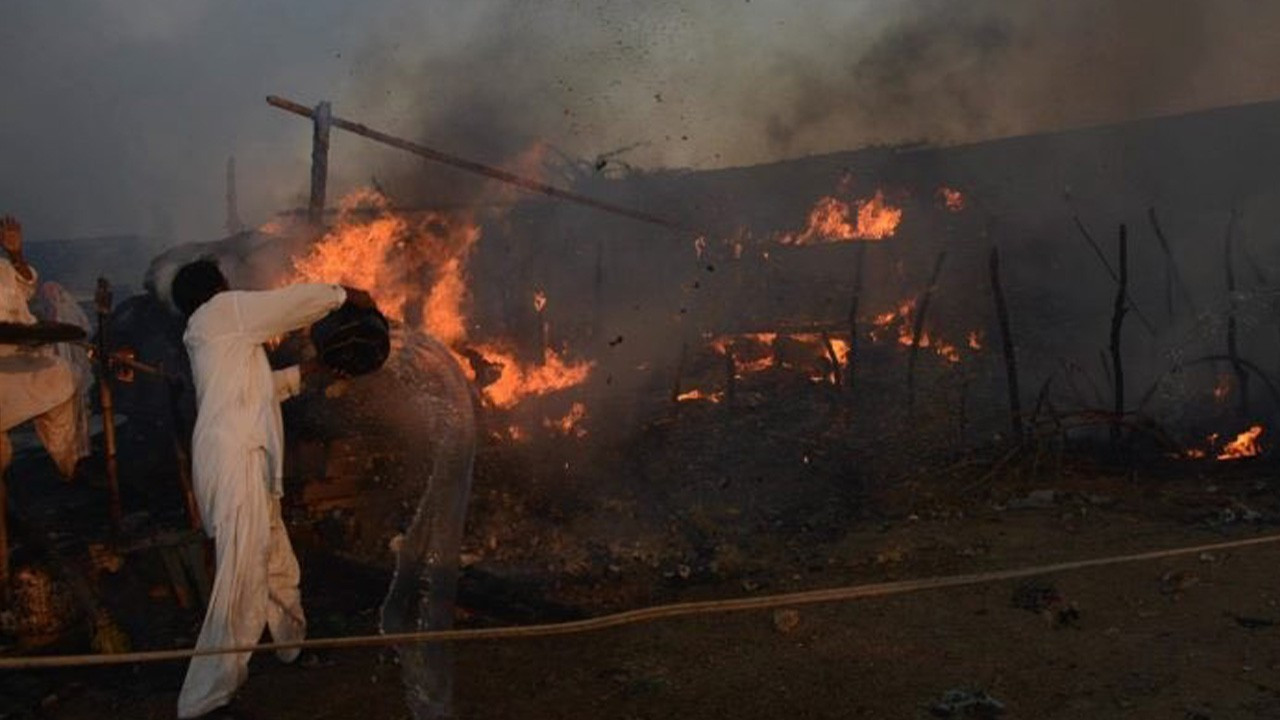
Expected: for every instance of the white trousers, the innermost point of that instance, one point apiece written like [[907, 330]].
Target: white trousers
[[58, 430], [255, 586]]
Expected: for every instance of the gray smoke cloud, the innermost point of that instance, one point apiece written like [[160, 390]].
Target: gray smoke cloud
[[119, 114]]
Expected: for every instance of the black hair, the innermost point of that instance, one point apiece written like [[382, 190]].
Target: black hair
[[195, 284]]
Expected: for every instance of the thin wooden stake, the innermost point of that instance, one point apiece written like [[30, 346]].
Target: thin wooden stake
[[1117, 324], [918, 330], [851, 370], [1233, 349], [102, 299], [1007, 348]]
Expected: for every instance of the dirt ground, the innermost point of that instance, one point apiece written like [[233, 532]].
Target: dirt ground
[[1191, 637]]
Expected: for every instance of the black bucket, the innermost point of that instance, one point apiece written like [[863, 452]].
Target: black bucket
[[352, 340]]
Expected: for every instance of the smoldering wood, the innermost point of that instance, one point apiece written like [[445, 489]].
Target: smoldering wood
[[475, 167], [834, 359], [1233, 349], [1117, 325], [1006, 347], [917, 329], [678, 381], [321, 119]]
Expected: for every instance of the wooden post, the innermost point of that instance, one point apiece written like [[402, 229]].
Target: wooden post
[[859, 259], [1007, 346], [918, 329], [320, 121], [102, 299], [1117, 323]]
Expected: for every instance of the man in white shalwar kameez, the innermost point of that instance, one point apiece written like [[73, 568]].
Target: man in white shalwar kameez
[[35, 384], [237, 453]]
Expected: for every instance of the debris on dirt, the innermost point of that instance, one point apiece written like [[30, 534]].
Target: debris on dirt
[[966, 704], [785, 620], [1251, 623], [1177, 582], [1044, 599], [1035, 500]]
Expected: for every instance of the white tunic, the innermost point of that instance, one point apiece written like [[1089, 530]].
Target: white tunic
[[237, 394], [32, 380]]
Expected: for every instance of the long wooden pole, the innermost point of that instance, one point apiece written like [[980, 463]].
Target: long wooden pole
[[918, 330], [474, 167], [1233, 348], [102, 299], [1007, 346], [1117, 323]]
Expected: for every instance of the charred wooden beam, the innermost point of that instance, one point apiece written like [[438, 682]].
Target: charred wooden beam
[[474, 167], [1117, 325], [917, 330], [1007, 348]]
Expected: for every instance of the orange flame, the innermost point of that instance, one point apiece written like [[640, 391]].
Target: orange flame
[[539, 301], [570, 424], [696, 394], [952, 199], [1244, 446], [975, 340], [832, 220], [416, 271]]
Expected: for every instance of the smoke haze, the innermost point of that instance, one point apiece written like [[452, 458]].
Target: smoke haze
[[119, 114]]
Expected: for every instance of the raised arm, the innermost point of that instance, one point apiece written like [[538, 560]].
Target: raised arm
[[265, 314]]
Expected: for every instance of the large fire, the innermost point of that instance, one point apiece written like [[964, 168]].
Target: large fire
[[833, 220], [415, 268]]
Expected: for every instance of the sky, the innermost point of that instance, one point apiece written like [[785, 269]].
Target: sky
[[119, 115]]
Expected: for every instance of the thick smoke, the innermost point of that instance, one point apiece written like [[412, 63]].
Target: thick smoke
[[120, 115]]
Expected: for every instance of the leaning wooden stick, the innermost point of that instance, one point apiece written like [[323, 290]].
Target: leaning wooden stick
[[1175, 273], [1233, 349], [917, 331], [1007, 346], [1084, 232], [1117, 324], [472, 166]]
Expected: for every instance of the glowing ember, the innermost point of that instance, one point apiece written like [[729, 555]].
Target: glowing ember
[[975, 340], [1222, 389], [570, 424], [952, 199], [833, 220], [416, 271], [696, 394], [1244, 446], [539, 301]]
